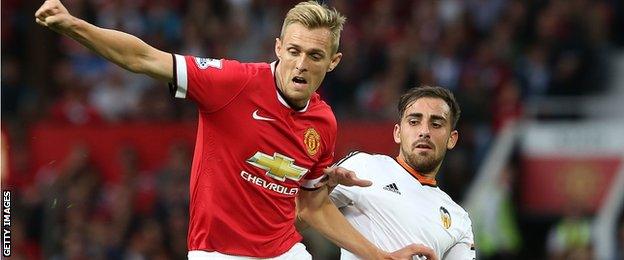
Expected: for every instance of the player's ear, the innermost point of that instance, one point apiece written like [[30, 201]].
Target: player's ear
[[334, 61], [278, 48], [397, 134], [452, 141]]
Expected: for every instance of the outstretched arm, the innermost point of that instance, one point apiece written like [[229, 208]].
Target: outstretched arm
[[123, 49], [315, 208]]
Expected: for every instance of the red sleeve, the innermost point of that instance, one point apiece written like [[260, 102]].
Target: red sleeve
[[211, 83], [326, 160]]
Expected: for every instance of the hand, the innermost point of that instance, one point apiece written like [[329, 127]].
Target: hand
[[54, 15], [409, 251], [337, 175]]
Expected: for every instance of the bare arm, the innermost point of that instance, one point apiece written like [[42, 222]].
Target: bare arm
[[123, 49], [315, 208], [335, 176]]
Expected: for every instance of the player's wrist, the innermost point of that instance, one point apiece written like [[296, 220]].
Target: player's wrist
[[383, 255], [377, 253], [74, 24]]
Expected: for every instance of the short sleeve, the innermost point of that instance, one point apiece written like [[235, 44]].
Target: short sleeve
[[326, 160], [464, 248], [211, 83], [317, 175], [343, 196], [461, 251]]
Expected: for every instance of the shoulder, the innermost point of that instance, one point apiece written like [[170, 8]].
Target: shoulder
[[319, 110], [258, 66], [363, 158], [253, 68], [318, 105], [461, 214], [232, 66]]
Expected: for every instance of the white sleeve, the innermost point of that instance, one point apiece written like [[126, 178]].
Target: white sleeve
[[340, 197], [343, 196], [461, 251], [464, 248]]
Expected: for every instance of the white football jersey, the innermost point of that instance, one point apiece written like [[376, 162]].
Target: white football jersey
[[398, 209]]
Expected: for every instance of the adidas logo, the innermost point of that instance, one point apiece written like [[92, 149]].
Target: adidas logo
[[392, 187]]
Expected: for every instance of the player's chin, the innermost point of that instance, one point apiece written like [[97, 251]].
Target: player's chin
[[298, 95]]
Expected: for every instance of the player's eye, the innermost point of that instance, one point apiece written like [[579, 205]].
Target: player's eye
[[413, 122], [293, 52], [316, 56]]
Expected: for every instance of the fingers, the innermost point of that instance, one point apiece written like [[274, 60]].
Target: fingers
[[339, 175], [362, 183], [422, 250], [323, 182], [329, 170], [41, 22], [48, 10], [350, 178]]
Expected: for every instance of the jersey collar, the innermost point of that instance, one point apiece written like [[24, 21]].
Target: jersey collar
[[424, 180], [280, 96]]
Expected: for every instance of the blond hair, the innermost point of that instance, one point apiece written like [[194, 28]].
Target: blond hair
[[313, 15]]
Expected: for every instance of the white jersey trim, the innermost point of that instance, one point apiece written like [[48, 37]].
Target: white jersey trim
[[309, 184], [181, 80], [297, 251]]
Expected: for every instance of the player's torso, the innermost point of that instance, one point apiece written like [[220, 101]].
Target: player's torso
[[251, 156], [409, 212], [271, 147]]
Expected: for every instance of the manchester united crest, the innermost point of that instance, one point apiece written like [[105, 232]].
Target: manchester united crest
[[446, 218], [312, 141]]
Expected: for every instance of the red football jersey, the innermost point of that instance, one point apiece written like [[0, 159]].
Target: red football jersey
[[252, 155]]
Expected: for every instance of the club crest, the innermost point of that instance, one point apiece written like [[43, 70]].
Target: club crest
[[445, 217], [312, 141]]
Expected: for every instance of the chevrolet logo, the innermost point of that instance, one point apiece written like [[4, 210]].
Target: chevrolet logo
[[278, 166]]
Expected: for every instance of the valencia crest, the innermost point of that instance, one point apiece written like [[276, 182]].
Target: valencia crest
[[446, 218]]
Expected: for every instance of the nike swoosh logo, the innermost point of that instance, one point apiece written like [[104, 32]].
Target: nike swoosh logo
[[258, 117]]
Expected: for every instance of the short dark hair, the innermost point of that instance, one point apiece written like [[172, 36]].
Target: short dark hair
[[416, 93]]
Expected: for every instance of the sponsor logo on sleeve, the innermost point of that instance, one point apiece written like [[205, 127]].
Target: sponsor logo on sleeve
[[204, 63]]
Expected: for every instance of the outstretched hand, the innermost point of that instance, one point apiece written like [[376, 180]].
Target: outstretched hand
[[338, 175], [409, 251], [54, 15]]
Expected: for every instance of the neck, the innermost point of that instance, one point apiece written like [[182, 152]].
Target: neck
[[424, 178], [278, 83]]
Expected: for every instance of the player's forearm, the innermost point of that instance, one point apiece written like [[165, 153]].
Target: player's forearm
[[328, 221], [123, 49]]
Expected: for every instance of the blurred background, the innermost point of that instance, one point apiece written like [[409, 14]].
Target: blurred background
[[98, 159]]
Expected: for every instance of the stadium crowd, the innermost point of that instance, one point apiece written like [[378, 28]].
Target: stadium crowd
[[495, 55]]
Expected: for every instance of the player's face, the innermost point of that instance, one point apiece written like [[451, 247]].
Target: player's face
[[305, 56], [425, 133]]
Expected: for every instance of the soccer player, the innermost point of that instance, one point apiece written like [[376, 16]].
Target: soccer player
[[264, 136], [404, 205]]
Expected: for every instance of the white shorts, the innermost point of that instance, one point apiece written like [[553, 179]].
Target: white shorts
[[297, 252]]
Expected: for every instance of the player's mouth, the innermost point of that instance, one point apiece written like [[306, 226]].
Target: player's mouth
[[300, 82], [423, 146]]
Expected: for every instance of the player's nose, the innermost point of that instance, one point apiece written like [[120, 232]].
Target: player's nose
[[301, 64]]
